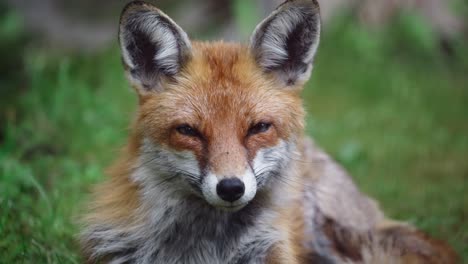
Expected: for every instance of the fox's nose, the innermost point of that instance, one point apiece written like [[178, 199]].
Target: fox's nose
[[230, 189]]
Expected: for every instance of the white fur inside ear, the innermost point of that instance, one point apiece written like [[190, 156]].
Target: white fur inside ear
[[273, 50], [159, 29], [273, 46], [168, 55], [125, 54]]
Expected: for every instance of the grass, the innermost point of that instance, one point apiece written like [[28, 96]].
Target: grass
[[388, 105]]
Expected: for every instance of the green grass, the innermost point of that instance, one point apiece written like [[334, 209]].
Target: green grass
[[388, 106]]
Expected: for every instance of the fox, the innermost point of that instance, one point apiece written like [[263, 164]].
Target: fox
[[218, 168]]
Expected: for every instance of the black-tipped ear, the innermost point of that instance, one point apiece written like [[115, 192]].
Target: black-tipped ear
[[153, 47], [285, 43]]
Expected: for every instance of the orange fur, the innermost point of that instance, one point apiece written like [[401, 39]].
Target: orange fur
[[221, 92], [221, 77], [116, 200]]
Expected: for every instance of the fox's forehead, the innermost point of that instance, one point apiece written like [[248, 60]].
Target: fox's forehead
[[220, 68], [223, 87], [222, 80]]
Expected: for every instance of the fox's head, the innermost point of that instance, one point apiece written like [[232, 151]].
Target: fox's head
[[218, 120]]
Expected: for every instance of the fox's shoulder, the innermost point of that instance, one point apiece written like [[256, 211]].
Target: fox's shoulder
[[334, 191], [337, 223]]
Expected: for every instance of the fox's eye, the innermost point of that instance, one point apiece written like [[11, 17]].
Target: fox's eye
[[187, 130], [259, 128]]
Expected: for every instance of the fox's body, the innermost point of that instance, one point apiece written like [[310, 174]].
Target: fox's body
[[217, 168]]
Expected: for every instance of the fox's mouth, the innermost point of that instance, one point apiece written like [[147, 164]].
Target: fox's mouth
[[232, 208]]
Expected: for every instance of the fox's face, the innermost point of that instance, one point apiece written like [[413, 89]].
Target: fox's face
[[218, 120]]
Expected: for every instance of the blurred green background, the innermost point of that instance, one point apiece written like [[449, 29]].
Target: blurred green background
[[388, 99]]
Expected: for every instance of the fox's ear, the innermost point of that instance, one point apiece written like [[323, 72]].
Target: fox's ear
[[284, 44], [154, 48]]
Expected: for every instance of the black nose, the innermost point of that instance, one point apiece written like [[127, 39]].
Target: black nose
[[230, 189]]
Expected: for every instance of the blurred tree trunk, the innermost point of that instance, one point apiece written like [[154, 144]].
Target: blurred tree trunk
[[436, 12], [90, 24]]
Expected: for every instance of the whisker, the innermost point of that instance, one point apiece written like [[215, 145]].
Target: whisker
[[304, 161], [259, 172], [291, 182], [168, 167], [166, 180], [285, 181]]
